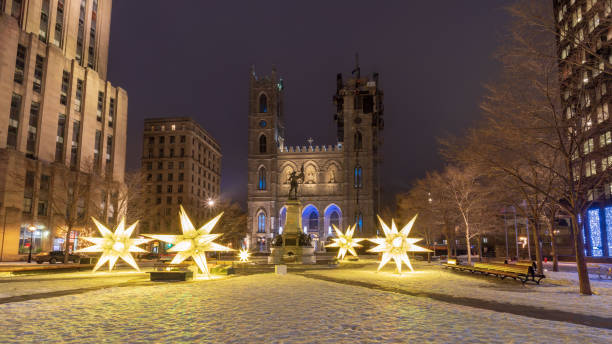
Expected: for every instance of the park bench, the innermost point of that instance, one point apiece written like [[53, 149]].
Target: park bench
[[600, 270], [523, 273], [453, 264]]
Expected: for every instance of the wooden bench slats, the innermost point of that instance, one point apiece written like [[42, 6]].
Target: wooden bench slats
[[524, 273]]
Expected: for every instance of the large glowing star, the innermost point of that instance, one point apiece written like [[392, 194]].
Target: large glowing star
[[244, 255], [115, 245], [193, 243], [345, 242], [395, 245]]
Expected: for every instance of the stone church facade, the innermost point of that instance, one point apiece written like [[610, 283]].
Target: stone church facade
[[341, 181]]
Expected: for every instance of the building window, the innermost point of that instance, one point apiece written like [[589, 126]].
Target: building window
[[76, 128], [20, 63], [100, 106], [358, 178], [16, 10], [595, 233], [13, 127], [262, 144], [358, 141], [263, 103], [170, 177], [109, 151], [111, 112], [313, 221], [590, 168], [32, 129], [44, 21], [59, 23], [79, 95], [162, 139], [261, 222], [38, 74], [261, 179], [605, 139], [182, 139], [91, 53], [172, 138], [97, 148], [80, 33], [59, 140], [64, 91]]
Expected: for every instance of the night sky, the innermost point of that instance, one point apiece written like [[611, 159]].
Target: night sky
[[192, 58]]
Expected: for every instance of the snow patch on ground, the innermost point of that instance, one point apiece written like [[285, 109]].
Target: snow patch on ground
[[275, 309], [558, 291]]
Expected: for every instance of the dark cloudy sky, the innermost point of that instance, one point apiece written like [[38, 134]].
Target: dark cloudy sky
[[192, 58]]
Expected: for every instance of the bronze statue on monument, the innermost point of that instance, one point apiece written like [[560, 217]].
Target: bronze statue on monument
[[295, 179]]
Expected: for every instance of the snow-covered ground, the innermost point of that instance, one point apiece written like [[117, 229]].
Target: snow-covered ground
[[274, 309], [558, 291]]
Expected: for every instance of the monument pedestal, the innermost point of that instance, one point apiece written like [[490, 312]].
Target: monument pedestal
[[291, 251]]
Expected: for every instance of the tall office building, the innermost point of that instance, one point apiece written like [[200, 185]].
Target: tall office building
[[62, 124], [584, 33], [181, 165], [341, 181]]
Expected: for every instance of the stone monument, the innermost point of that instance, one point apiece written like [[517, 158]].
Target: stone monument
[[293, 246]]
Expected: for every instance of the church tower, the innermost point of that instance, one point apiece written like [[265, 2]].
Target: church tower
[[266, 136], [359, 120]]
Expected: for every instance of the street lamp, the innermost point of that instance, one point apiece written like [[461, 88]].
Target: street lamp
[[32, 229]]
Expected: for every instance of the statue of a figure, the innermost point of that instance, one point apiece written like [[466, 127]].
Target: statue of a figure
[[294, 180]]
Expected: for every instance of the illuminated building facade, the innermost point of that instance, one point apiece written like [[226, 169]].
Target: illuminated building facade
[[341, 183], [584, 33], [181, 165], [58, 113]]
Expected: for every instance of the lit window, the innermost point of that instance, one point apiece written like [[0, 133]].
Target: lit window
[[261, 223], [263, 103], [261, 179]]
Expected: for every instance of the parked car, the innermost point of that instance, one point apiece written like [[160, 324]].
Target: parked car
[[55, 256]]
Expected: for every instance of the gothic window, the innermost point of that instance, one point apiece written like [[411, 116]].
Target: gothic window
[[359, 221], [334, 219], [261, 222], [358, 178], [358, 141], [313, 221], [261, 179], [262, 144], [263, 103]]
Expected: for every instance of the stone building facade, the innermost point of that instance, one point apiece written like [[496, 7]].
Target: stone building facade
[[58, 113], [341, 181], [181, 165]]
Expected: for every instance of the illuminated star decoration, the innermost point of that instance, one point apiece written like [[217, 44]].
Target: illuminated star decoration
[[396, 244], [345, 242], [193, 243], [115, 245], [244, 255]]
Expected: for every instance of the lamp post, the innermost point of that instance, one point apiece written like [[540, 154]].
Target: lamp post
[[32, 229]]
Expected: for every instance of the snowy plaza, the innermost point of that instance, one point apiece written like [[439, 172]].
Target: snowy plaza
[[311, 304]]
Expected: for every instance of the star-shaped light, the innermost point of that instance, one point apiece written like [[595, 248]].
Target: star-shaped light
[[244, 255], [193, 243], [345, 242], [396, 244], [115, 245]]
